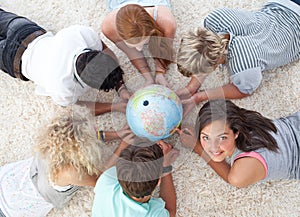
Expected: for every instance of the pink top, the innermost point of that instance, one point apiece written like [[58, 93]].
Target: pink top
[[253, 155]]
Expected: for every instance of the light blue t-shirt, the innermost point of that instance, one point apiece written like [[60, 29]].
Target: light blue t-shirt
[[110, 200]]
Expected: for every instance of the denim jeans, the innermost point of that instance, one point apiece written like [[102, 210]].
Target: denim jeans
[[13, 29]]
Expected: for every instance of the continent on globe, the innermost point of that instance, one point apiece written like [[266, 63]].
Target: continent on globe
[[154, 112]]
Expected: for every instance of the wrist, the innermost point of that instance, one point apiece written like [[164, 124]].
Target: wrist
[[199, 97], [160, 72], [167, 169], [144, 69], [101, 135], [120, 89]]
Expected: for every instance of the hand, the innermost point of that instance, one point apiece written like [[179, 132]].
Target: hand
[[128, 138], [119, 107], [187, 137], [125, 131], [170, 153], [124, 94], [148, 78], [183, 93], [188, 105], [160, 79]]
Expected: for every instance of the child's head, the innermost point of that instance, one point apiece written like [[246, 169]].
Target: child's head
[[70, 140], [139, 169], [252, 129], [135, 25], [200, 52], [98, 70]]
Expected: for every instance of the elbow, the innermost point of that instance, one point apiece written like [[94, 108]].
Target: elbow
[[105, 29], [237, 181]]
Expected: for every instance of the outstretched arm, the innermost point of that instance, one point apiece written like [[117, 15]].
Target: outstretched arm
[[167, 22], [124, 144], [228, 91], [192, 87], [244, 171], [99, 108], [112, 135], [167, 189]]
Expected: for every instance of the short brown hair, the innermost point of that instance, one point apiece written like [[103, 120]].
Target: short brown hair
[[139, 168]]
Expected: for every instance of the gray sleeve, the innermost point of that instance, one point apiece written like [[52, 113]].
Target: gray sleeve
[[247, 81], [39, 177]]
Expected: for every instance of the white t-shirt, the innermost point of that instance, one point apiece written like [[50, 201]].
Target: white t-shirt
[[50, 59], [18, 195]]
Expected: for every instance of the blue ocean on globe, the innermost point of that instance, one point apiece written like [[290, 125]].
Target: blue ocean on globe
[[154, 112]]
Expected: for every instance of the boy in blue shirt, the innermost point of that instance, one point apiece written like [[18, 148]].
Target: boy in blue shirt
[[125, 189]]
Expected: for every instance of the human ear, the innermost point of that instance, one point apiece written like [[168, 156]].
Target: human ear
[[236, 135]]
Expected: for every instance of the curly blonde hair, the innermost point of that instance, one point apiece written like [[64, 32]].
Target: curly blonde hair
[[134, 24], [70, 140], [200, 52]]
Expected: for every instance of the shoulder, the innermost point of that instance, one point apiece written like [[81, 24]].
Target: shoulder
[[215, 16], [157, 207], [108, 26], [247, 168], [166, 21], [108, 178]]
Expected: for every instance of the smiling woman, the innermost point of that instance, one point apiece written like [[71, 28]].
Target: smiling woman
[[259, 149], [218, 140]]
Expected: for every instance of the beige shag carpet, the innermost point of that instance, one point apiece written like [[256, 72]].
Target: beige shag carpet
[[200, 192]]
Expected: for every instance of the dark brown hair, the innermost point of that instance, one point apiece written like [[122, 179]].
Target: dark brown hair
[[98, 70], [254, 129], [139, 169]]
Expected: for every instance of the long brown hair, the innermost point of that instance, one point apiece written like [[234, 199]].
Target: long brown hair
[[134, 23], [254, 129]]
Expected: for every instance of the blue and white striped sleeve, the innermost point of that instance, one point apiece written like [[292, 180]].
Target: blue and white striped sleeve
[[235, 21]]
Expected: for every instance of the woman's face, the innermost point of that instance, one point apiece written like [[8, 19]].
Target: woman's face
[[139, 46], [218, 140]]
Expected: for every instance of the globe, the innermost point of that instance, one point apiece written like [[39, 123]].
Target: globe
[[154, 112]]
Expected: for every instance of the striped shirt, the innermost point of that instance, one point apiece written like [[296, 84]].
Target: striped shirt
[[259, 40]]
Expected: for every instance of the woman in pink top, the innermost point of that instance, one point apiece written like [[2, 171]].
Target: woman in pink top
[[259, 149]]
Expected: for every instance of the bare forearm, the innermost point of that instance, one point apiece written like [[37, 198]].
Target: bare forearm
[[111, 135], [112, 161], [167, 193], [96, 107], [195, 84], [136, 57], [221, 168], [228, 91]]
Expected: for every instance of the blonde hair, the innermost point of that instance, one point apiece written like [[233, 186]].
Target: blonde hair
[[200, 52], [134, 23], [70, 140]]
